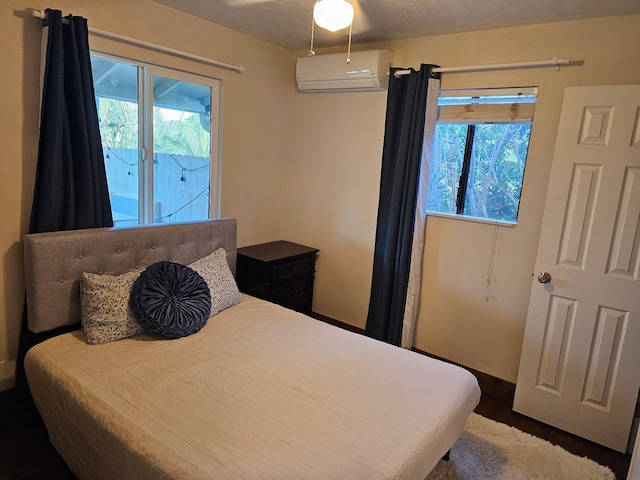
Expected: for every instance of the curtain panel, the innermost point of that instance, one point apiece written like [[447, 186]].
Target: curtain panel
[[420, 220], [403, 167], [71, 182]]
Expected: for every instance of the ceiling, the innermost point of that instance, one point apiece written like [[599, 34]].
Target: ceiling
[[288, 22]]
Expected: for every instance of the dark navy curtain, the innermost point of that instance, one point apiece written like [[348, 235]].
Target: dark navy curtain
[[71, 183], [401, 159]]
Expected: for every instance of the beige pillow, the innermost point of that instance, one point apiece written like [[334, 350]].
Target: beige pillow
[[216, 272], [105, 312]]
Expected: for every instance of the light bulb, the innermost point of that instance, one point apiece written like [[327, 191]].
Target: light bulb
[[333, 15]]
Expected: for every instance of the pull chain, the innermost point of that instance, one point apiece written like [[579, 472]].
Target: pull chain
[[349, 46], [313, 29], [492, 257]]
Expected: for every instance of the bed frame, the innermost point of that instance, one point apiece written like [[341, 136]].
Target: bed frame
[[54, 262], [83, 402]]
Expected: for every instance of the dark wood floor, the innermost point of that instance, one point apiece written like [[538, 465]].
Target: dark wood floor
[[27, 454], [25, 450]]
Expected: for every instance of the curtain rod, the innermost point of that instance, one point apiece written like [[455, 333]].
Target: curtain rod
[[151, 46], [555, 62]]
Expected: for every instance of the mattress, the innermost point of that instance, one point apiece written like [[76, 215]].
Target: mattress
[[261, 392]]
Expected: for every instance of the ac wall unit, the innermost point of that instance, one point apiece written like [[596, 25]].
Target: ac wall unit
[[367, 71]]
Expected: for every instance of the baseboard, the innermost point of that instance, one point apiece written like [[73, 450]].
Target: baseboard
[[336, 323], [489, 384]]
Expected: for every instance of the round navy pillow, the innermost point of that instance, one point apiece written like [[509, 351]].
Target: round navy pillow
[[171, 300]]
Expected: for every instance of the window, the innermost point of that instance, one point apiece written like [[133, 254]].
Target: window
[[159, 131], [480, 152]]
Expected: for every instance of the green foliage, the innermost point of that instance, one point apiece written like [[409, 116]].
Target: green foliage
[[118, 123], [446, 167], [180, 134], [496, 170]]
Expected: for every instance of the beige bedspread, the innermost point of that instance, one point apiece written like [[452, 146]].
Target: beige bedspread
[[259, 393]]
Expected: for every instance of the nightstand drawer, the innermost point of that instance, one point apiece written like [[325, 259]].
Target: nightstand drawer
[[291, 289], [290, 269], [295, 294]]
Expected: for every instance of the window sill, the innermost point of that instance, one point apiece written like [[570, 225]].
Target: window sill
[[466, 218]]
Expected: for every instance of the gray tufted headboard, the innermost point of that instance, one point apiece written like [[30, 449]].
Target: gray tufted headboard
[[54, 262]]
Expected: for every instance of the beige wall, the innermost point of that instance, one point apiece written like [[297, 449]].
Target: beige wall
[[334, 178], [257, 122]]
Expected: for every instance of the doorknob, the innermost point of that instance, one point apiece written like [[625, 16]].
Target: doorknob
[[544, 277]]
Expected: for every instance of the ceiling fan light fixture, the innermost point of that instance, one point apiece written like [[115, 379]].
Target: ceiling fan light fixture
[[333, 15]]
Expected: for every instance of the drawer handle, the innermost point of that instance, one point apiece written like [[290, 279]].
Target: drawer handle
[[290, 292]]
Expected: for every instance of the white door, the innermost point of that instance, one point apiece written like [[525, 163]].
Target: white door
[[580, 363]]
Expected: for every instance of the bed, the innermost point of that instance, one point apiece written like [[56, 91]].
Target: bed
[[259, 392]]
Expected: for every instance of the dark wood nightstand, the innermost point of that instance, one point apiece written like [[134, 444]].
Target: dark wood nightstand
[[280, 272]]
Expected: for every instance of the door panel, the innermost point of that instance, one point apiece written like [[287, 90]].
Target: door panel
[[580, 356]]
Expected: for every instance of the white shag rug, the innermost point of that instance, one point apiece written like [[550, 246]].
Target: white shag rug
[[492, 450]]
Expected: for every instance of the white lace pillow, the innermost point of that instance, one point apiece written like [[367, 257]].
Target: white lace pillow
[[216, 272], [105, 312]]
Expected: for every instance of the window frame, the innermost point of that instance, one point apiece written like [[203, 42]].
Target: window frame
[[493, 115], [146, 71]]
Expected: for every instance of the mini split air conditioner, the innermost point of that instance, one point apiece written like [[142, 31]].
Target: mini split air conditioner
[[367, 71]]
